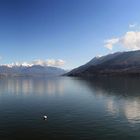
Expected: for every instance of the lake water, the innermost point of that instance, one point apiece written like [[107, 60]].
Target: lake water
[[102, 109]]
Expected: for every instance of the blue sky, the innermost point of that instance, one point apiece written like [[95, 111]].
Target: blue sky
[[71, 30]]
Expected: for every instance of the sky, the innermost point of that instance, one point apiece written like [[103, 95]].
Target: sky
[[66, 33]]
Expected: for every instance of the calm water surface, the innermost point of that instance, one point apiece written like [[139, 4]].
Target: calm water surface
[[102, 109]]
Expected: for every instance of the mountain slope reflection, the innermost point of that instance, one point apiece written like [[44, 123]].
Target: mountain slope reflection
[[120, 96]]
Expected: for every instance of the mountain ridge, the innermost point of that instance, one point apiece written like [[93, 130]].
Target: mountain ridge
[[35, 70], [119, 63]]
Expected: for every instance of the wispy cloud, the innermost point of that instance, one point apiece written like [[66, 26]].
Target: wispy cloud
[[130, 41], [111, 42], [133, 25]]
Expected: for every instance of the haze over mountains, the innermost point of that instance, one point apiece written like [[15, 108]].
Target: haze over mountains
[[33, 70], [120, 63]]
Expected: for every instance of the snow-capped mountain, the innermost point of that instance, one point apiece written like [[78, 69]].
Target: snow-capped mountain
[[33, 70]]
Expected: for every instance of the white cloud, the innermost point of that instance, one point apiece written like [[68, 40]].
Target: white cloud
[[132, 25], [48, 62], [111, 42], [130, 41]]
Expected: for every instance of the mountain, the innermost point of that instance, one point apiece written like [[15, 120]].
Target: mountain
[[34, 70], [120, 63]]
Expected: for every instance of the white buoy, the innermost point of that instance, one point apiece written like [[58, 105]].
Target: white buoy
[[45, 117]]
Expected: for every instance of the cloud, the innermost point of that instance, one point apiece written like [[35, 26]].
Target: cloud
[[48, 62], [130, 41], [111, 42], [132, 25]]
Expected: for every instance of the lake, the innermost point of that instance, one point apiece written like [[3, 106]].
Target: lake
[[77, 109]]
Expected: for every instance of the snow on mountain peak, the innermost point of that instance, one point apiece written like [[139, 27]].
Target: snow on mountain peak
[[49, 62]]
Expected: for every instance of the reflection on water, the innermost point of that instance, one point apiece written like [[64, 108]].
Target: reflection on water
[[111, 107], [130, 108], [118, 95], [27, 86], [132, 111], [122, 95], [99, 108]]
